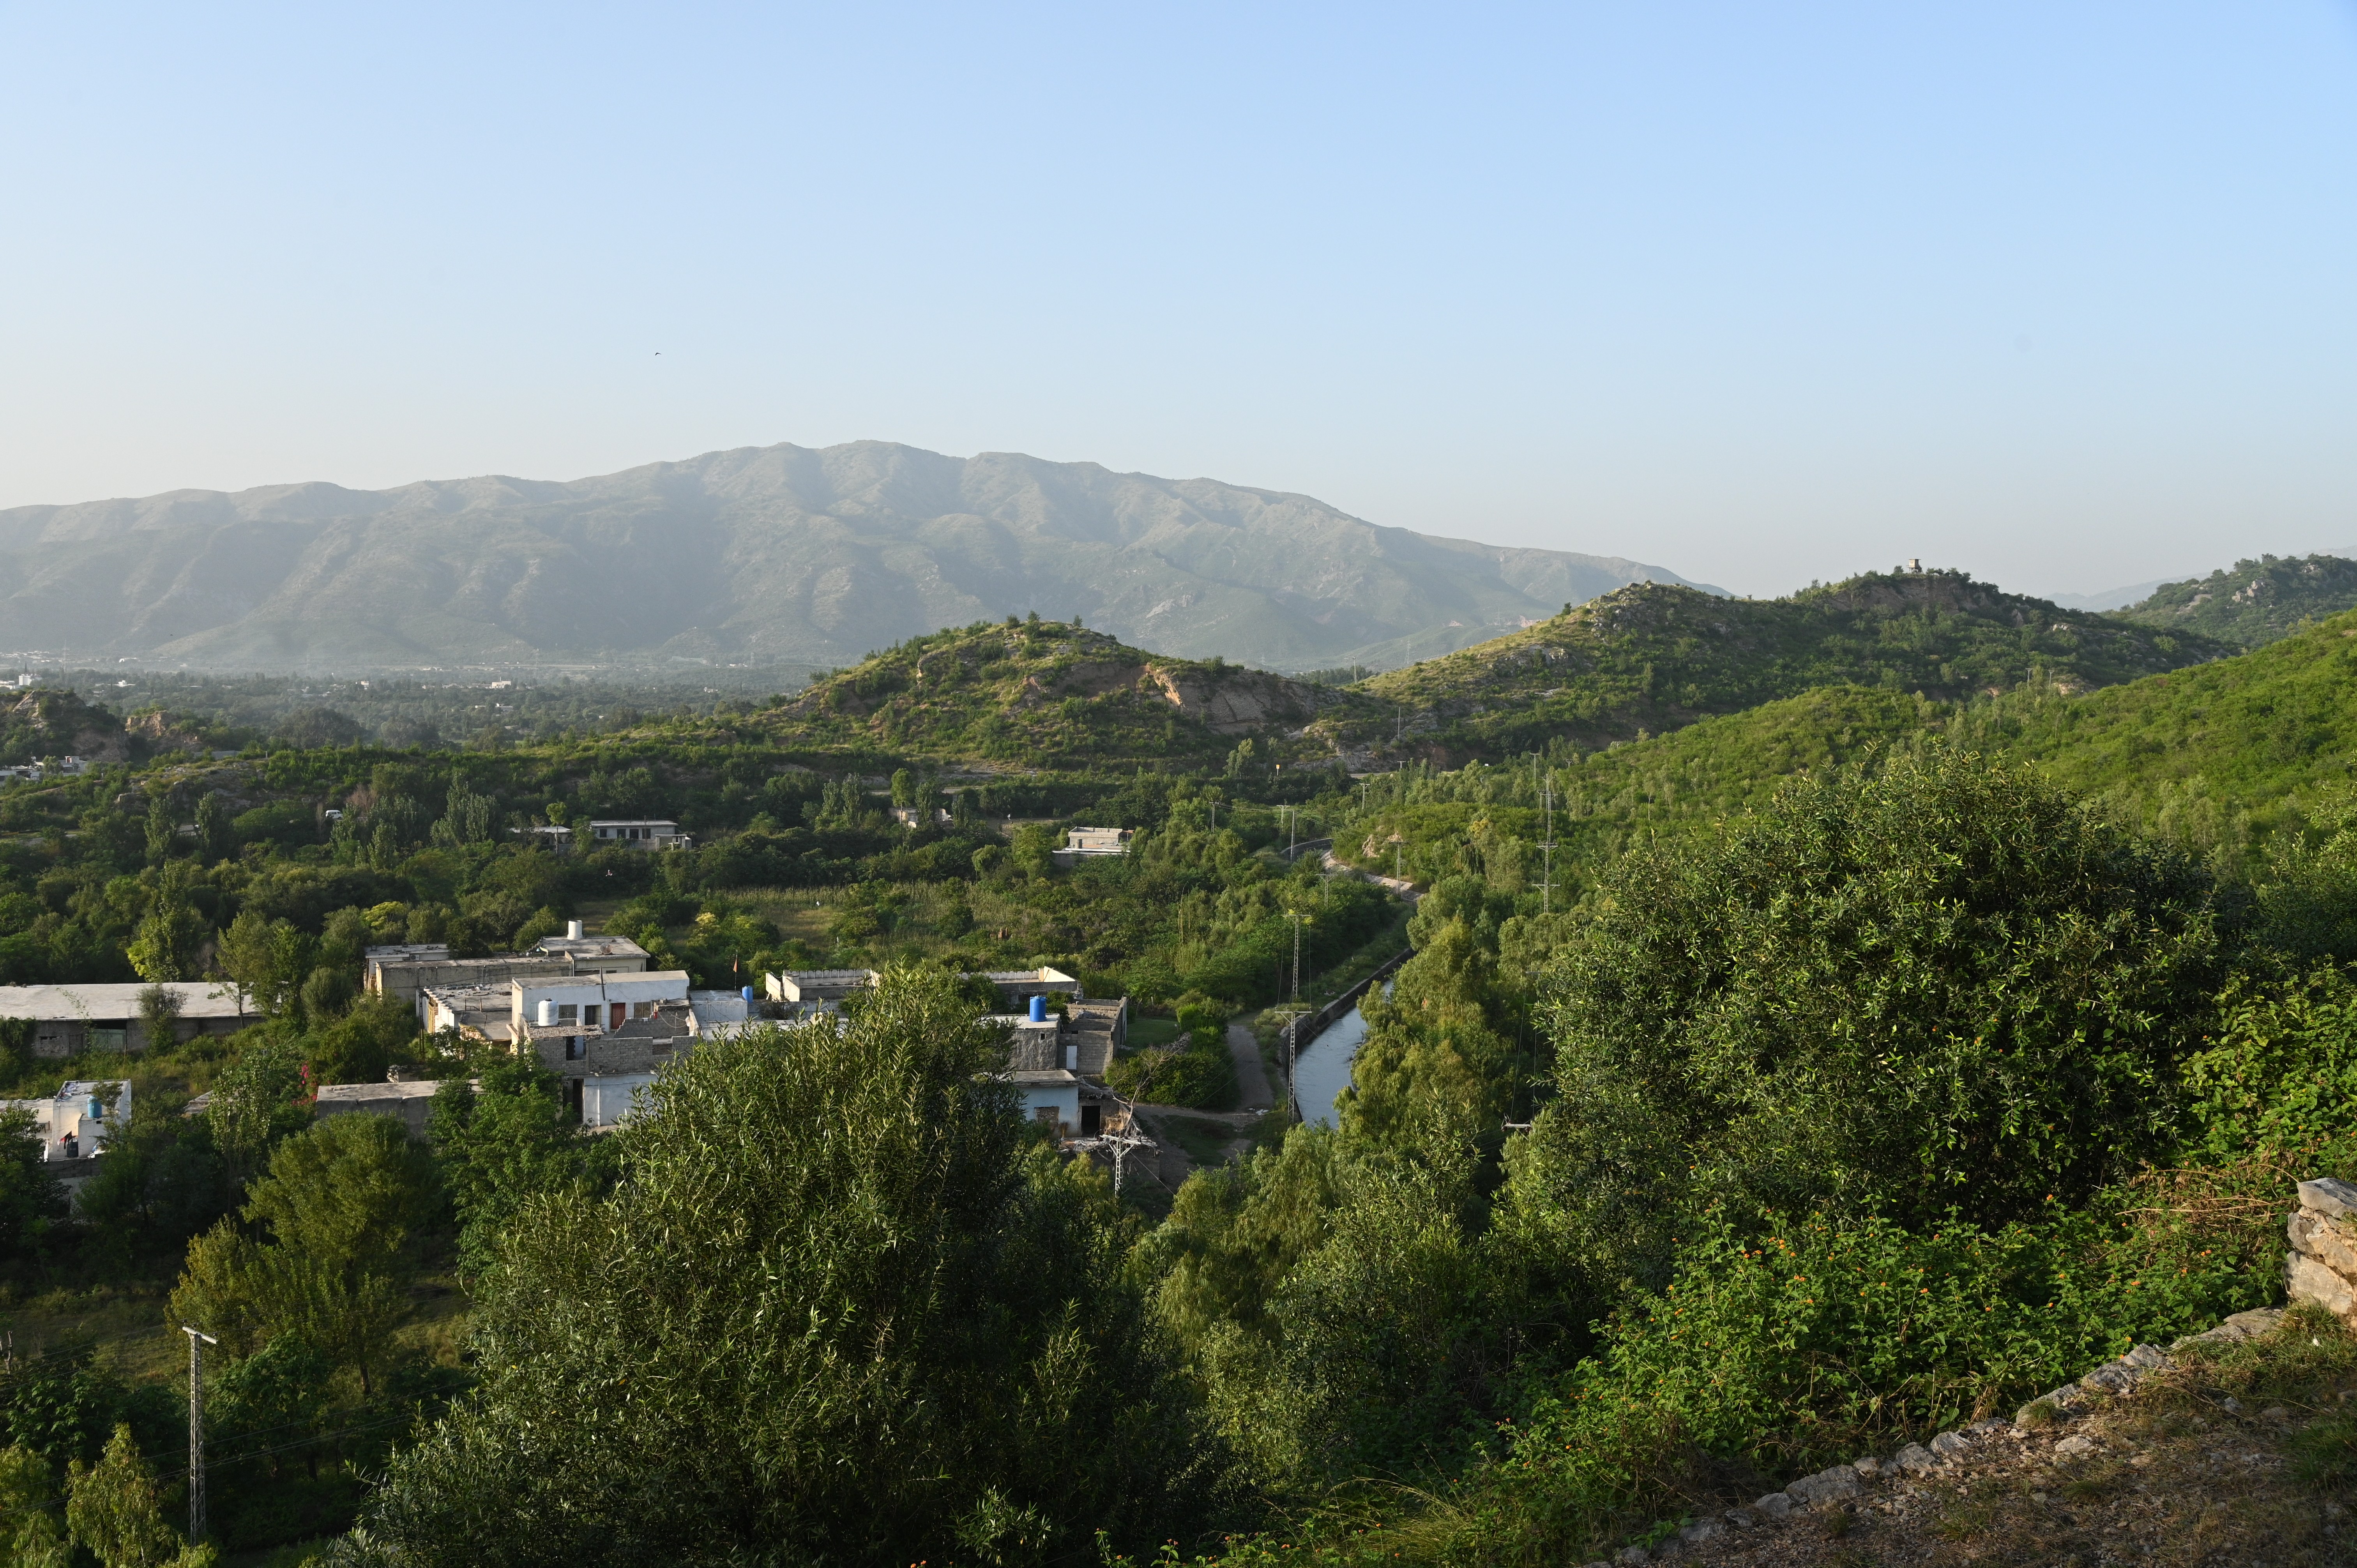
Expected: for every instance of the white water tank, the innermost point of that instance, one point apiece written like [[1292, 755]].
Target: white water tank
[[573, 930], [548, 1012]]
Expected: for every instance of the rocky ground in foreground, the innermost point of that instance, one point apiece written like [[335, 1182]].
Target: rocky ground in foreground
[[2238, 1447]]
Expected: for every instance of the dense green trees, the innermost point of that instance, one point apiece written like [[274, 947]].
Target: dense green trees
[[840, 1307], [1935, 987], [331, 1249]]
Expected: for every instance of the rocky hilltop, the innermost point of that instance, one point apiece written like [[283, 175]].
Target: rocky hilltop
[[1047, 693]]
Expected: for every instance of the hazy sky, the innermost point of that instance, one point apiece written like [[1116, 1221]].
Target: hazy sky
[[2065, 295]]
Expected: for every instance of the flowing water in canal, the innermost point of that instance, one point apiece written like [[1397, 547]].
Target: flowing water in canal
[[1324, 1070]]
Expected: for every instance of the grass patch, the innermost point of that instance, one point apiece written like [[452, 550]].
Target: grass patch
[[1206, 1143]]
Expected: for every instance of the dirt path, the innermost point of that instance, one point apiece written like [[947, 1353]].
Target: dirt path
[[1252, 1078]]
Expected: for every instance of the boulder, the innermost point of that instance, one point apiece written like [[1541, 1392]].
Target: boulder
[[1825, 1487], [1915, 1459]]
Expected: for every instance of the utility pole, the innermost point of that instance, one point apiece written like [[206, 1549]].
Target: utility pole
[[1298, 921], [1547, 886], [198, 1338]]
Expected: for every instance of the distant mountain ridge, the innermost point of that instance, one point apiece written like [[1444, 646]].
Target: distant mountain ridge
[[771, 555]]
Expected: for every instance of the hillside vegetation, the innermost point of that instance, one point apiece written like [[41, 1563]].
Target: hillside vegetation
[[2215, 758], [1049, 692], [1797, 1082], [2253, 603], [1655, 657]]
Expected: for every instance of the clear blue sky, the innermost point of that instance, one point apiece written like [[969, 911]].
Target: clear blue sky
[[2065, 295]]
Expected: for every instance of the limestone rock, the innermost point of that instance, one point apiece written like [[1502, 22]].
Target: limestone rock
[[2309, 1280], [2073, 1446], [2112, 1378], [1915, 1459], [2329, 1196], [1775, 1504], [2330, 1242], [1948, 1445], [1702, 1532], [1825, 1487]]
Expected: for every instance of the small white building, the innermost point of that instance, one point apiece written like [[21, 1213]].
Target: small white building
[[75, 1125], [611, 1099], [636, 833], [1051, 1096]]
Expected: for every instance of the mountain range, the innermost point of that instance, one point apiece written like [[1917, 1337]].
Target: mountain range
[[773, 556]]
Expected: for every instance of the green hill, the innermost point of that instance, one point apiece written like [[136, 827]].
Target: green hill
[[2255, 603], [1047, 693], [2214, 758], [1655, 657]]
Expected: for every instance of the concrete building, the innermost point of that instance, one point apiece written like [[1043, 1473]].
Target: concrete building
[[408, 1100], [614, 1028], [408, 969], [613, 1099], [636, 833], [75, 1125], [1090, 843], [1051, 1096], [1019, 986], [807, 991], [70, 1019]]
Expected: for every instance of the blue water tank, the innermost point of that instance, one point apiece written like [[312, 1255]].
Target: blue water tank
[[1038, 1009], [747, 994]]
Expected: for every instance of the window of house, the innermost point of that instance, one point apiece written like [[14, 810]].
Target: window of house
[[575, 1049], [642, 1009], [568, 1012]]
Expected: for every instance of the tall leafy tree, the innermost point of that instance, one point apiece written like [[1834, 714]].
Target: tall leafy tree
[[337, 1215], [843, 1308], [1937, 985]]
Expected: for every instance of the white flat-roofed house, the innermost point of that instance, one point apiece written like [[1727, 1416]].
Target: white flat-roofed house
[[75, 1125], [1051, 1096], [1089, 843], [634, 833], [70, 1019]]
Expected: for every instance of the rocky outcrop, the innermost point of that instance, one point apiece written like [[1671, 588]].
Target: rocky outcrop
[[2322, 1265]]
